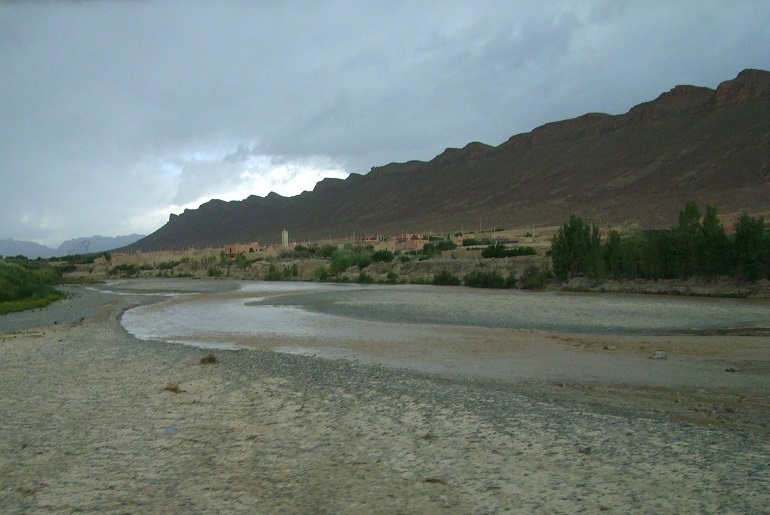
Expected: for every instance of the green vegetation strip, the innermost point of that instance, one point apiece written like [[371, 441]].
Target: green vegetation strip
[[27, 284], [697, 246]]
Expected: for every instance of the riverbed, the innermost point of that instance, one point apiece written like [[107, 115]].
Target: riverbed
[[510, 335]]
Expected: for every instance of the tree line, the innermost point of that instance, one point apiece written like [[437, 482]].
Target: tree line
[[697, 246]]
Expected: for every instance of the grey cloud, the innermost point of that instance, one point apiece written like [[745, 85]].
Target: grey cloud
[[94, 94]]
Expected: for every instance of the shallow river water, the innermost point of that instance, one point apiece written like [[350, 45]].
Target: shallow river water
[[356, 312], [509, 334]]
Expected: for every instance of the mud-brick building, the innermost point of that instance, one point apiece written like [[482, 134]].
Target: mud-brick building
[[234, 249]]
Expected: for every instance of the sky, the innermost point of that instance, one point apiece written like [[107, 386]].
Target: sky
[[115, 114]]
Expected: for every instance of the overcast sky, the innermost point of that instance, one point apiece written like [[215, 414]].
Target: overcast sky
[[115, 114]]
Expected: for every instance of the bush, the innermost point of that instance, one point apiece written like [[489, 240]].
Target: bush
[[365, 278], [430, 250], [472, 242], [125, 270], [446, 278], [326, 250], [382, 256], [347, 257], [391, 278], [273, 274], [168, 265], [22, 288], [536, 277], [321, 273], [499, 250], [483, 279]]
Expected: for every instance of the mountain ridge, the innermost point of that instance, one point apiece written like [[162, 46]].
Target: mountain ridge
[[690, 143], [96, 243]]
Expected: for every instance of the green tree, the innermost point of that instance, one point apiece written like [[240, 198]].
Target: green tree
[[713, 252], [496, 250], [613, 255], [688, 241], [750, 258], [576, 249]]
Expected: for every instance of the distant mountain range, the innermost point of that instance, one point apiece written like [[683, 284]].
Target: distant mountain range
[[690, 143], [75, 246]]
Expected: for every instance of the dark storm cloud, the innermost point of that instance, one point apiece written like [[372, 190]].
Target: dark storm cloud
[[114, 114]]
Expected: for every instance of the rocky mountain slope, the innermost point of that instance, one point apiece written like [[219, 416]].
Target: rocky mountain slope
[[691, 143]]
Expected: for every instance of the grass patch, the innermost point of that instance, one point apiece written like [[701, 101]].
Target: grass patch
[[13, 306]]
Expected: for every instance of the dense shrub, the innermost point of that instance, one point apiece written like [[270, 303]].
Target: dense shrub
[[380, 256], [321, 273], [125, 270], [347, 257], [535, 277], [365, 278], [445, 245], [364, 261], [446, 278], [484, 279], [499, 250], [326, 251], [168, 265], [435, 249], [24, 288], [472, 242], [391, 277], [272, 273]]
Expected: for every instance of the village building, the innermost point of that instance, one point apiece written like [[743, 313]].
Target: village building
[[367, 239], [234, 249], [409, 241]]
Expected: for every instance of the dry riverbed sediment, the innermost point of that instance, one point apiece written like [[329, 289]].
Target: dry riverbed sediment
[[96, 421]]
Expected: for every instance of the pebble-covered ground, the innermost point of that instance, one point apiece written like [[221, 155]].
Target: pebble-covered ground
[[96, 421]]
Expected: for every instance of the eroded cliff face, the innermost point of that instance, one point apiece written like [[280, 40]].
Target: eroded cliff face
[[748, 85], [690, 143]]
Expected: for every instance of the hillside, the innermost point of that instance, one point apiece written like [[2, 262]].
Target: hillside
[[690, 143]]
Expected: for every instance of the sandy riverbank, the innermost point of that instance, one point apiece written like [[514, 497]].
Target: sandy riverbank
[[88, 426]]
